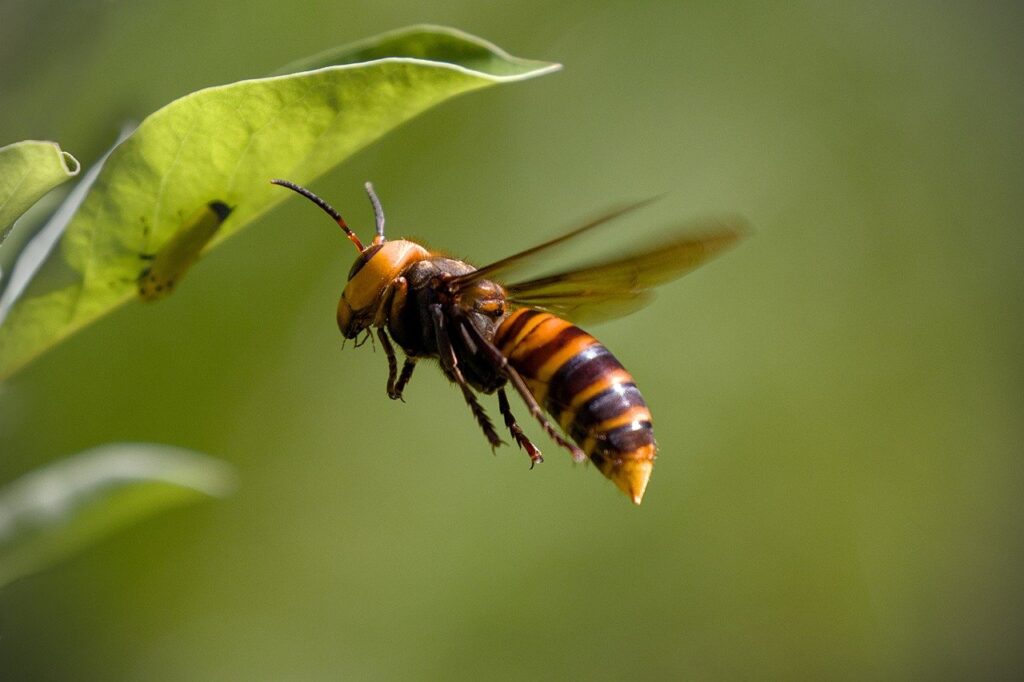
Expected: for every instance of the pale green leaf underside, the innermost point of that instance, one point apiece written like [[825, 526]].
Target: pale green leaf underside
[[50, 513], [225, 143], [28, 170]]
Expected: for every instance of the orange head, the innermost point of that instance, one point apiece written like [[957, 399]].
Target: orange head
[[376, 266], [375, 269]]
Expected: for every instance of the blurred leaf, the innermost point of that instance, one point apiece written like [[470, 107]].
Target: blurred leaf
[[225, 144], [48, 514], [28, 170], [34, 252]]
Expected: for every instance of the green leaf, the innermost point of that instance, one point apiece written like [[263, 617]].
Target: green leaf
[[28, 170], [36, 249], [48, 514], [224, 144]]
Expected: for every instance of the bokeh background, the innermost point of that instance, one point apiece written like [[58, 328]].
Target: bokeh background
[[838, 400]]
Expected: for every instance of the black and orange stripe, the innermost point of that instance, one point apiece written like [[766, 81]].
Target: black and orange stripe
[[587, 390]]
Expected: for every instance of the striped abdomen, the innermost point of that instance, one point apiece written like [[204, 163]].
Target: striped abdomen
[[586, 390]]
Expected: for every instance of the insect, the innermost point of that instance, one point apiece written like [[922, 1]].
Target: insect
[[487, 333], [181, 251]]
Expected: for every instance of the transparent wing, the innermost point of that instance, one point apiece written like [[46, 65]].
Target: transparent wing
[[621, 284], [500, 269]]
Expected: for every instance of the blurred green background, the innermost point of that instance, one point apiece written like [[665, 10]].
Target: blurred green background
[[838, 401]]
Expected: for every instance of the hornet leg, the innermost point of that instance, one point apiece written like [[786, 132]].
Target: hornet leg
[[389, 351], [450, 364], [517, 432], [501, 362], [392, 301], [403, 378]]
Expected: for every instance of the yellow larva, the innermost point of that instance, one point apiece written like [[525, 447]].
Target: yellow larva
[[181, 251]]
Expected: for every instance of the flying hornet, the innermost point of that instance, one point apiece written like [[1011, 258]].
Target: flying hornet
[[488, 332]]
